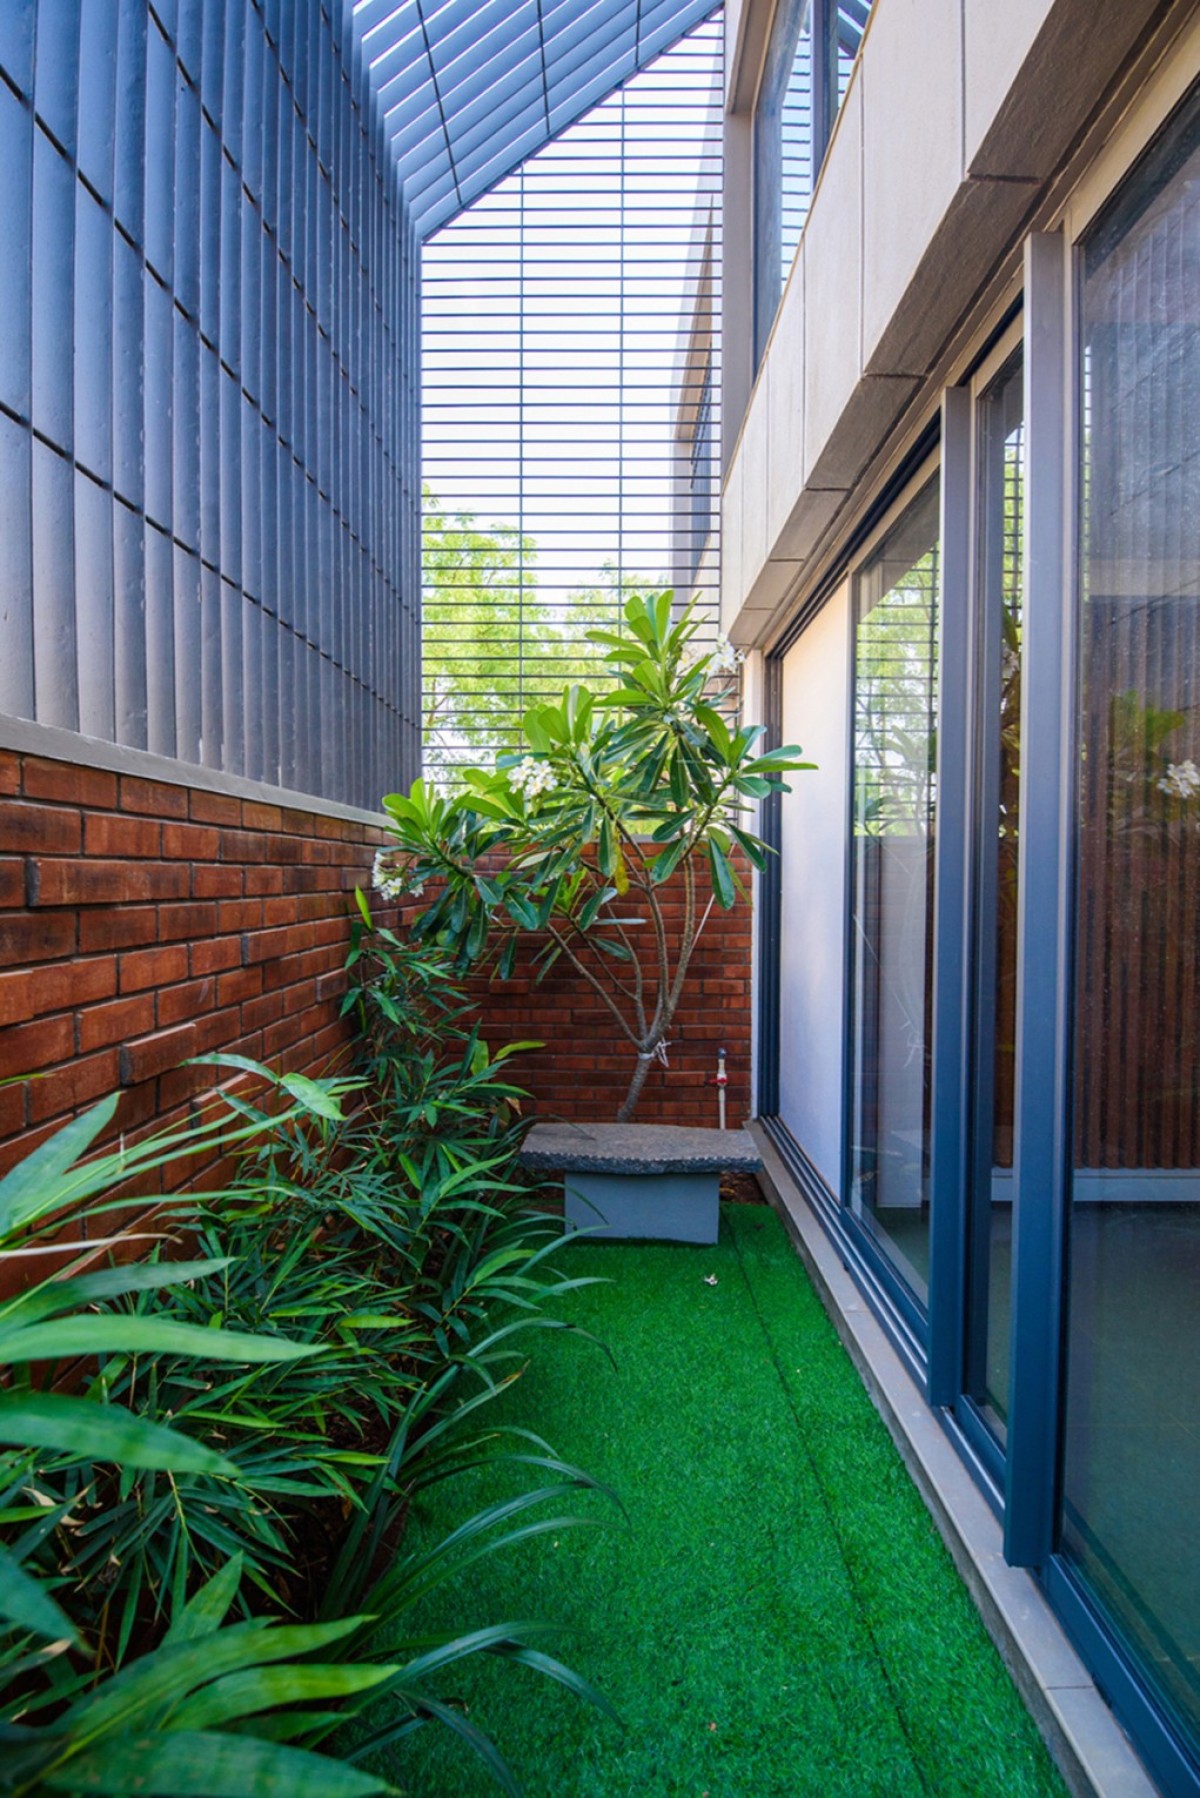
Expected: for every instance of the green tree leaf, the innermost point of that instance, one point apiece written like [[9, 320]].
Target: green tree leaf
[[722, 874]]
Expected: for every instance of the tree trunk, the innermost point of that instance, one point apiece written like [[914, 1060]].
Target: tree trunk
[[645, 1057]]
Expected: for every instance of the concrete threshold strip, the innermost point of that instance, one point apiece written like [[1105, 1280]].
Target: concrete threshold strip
[[1092, 1752]]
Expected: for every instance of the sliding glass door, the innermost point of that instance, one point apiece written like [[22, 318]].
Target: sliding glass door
[[895, 810], [1019, 1193], [1131, 1452]]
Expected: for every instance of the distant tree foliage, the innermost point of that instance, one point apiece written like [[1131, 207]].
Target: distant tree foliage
[[492, 644], [479, 615]]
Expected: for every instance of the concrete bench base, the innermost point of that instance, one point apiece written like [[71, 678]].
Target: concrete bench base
[[658, 1182], [662, 1207]]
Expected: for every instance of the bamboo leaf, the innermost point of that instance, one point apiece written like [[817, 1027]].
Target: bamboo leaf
[[100, 1432], [516, 1048], [208, 1609], [118, 1335], [314, 1095], [55, 1296], [228, 1058], [263, 1688], [27, 1605], [33, 1187], [209, 1764]]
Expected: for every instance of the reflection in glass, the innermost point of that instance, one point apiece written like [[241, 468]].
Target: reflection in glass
[[1131, 1470], [895, 753], [796, 142], [783, 154], [1001, 443], [809, 61]]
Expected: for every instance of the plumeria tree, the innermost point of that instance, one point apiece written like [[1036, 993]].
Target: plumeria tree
[[612, 793]]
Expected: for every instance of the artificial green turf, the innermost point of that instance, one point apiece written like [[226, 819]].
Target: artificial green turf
[[778, 1616]]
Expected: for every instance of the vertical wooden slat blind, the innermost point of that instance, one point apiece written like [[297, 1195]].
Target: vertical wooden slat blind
[[1138, 1073]]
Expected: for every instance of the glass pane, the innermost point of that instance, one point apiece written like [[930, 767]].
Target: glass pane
[[783, 158], [796, 147], [1001, 443], [850, 21], [808, 66], [1132, 1445], [895, 745]]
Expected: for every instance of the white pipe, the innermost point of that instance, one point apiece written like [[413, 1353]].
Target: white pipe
[[722, 1083]]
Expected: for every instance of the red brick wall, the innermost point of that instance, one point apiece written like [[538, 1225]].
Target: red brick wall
[[586, 1066], [142, 923]]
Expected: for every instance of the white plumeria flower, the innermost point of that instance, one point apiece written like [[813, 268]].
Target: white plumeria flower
[[726, 659], [389, 882], [1181, 780], [532, 778]]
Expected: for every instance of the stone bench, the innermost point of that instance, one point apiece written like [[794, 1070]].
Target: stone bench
[[660, 1181]]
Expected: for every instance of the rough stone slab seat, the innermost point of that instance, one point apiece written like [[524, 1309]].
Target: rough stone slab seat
[[641, 1180]]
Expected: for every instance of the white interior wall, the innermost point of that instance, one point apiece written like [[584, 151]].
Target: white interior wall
[[816, 698]]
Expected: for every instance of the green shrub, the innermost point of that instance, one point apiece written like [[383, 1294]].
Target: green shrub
[[253, 1425]]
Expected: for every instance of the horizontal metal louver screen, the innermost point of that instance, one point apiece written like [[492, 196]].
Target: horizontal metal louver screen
[[571, 401]]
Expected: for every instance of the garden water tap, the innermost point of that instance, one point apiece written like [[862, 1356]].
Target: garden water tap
[[721, 1082]]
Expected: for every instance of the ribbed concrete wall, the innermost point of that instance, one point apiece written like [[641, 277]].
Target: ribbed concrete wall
[[209, 393]]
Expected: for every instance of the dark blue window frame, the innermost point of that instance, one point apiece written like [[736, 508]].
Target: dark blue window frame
[[1023, 1484]]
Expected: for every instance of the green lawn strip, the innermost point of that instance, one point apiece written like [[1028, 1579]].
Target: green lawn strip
[[905, 1585], [778, 1616]]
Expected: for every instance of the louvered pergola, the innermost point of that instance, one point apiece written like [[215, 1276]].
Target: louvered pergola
[[466, 89]]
